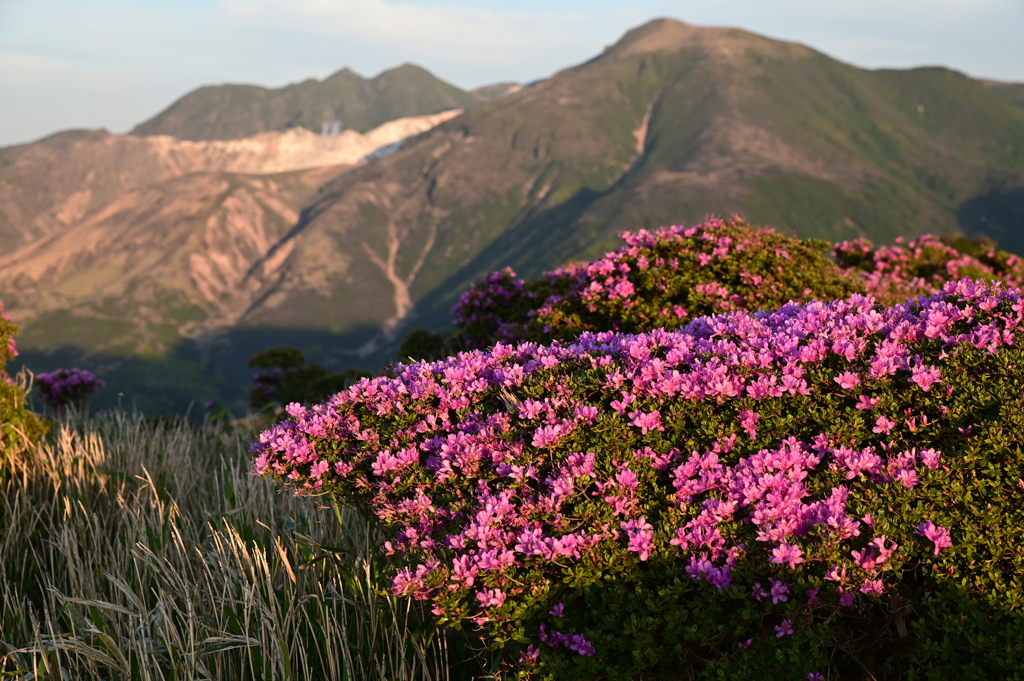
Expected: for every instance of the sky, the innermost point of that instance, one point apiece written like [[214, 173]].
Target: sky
[[114, 63]]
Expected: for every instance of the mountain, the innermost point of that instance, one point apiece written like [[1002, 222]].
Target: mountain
[[669, 124], [226, 112], [672, 123], [137, 252]]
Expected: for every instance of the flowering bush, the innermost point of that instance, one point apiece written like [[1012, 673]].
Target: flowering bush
[[18, 426], [893, 274], [808, 491], [65, 387], [657, 280]]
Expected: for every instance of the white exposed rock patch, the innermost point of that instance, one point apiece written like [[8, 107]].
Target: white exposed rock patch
[[295, 149]]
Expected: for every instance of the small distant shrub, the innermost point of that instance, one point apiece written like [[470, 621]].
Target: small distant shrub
[[423, 344], [657, 280], [894, 274], [812, 492], [68, 387], [19, 427], [287, 378]]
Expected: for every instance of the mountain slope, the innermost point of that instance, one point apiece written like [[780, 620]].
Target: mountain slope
[[672, 123], [669, 124], [224, 112]]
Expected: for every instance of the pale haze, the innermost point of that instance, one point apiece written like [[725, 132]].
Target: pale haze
[[114, 63]]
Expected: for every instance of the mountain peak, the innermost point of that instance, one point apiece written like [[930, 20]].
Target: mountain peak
[[670, 35]]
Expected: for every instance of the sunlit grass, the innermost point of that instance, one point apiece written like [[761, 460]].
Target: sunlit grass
[[142, 549]]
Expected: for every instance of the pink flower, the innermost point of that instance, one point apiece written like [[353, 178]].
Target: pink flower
[[812, 596], [931, 458], [815, 676], [646, 422], [939, 535], [748, 421], [883, 425], [790, 554], [530, 655], [641, 536], [867, 403], [493, 597], [925, 376], [872, 587], [847, 380]]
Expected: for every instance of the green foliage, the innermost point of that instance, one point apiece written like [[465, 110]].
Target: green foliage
[[19, 427], [423, 344], [287, 378]]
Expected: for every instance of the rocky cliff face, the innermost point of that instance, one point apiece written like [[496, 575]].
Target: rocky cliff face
[[146, 241]]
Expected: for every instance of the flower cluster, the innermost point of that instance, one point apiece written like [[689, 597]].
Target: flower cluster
[[659, 279], [776, 463], [64, 387], [893, 274]]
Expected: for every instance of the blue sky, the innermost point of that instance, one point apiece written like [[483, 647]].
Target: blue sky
[[113, 63]]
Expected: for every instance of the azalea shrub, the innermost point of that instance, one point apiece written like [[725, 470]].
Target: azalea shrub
[[659, 279], [893, 274], [813, 491], [66, 387], [19, 427]]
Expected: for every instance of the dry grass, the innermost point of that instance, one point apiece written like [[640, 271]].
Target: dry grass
[[140, 550]]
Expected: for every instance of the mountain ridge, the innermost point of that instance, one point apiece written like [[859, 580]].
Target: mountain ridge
[[670, 124], [235, 111]]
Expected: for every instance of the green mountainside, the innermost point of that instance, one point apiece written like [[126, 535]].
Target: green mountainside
[[237, 111], [670, 124]]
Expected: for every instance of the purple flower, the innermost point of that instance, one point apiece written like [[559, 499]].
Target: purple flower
[[758, 591], [784, 629], [557, 610], [938, 535], [779, 591], [64, 387]]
